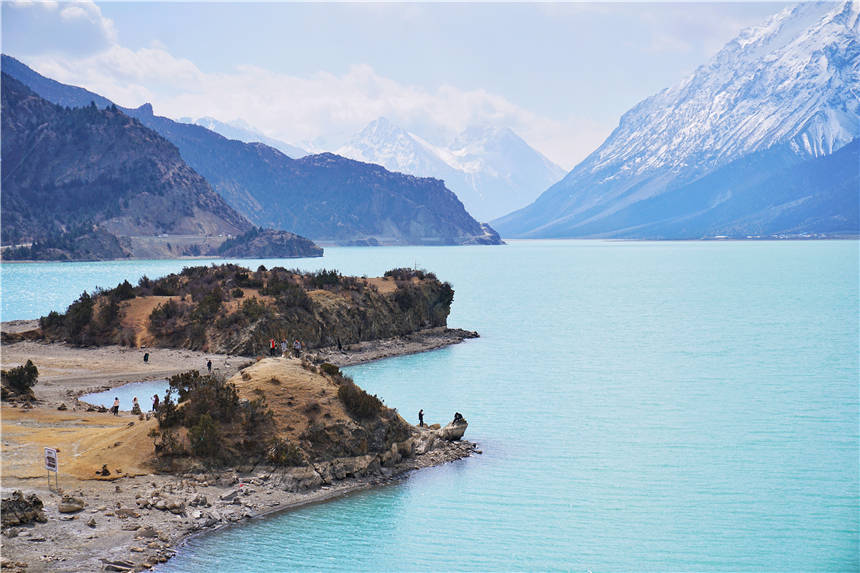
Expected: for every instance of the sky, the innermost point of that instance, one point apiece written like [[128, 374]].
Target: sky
[[314, 74]]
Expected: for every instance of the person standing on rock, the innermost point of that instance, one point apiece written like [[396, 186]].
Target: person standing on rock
[[155, 402], [115, 408], [421, 418], [135, 406], [271, 347], [297, 348], [284, 347], [209, 366]]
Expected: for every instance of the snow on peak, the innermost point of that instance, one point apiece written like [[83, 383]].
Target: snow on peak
[[793, 80], [491, 169]]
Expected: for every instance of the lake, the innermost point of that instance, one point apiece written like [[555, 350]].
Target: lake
[[640, 406]]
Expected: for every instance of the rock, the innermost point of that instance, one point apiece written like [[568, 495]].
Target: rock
[[19, 509], [454, 430], [230, 496], [62, 407], [92, 522], [199, 500], [126, 512], [301, 479], [130, 527], [104, 471], [148, 531], [136, 549], [70, 504]]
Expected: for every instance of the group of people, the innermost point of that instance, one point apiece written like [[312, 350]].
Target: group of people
[[135, 405], [273, 347]]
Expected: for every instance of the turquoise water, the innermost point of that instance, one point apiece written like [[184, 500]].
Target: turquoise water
[[641, 406]]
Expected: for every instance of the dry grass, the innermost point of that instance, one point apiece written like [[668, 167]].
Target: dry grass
[[85, 440], [292, 399]]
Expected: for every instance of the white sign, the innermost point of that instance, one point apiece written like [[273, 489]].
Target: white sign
[[51, 459]]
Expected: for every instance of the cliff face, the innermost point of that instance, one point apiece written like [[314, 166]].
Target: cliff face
[[64, 167], [234, 310]]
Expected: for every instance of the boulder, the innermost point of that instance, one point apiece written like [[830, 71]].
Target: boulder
[[19, 509], [454, 430], [70, 504], [301, 479]]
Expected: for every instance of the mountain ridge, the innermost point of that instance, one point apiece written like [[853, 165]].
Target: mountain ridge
[[85, 183], [338, 201], [491, 169], [788, 82]]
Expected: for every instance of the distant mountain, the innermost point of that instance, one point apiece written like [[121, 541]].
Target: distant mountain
[[244, 132], [51, 90], [724, 151], [89, 183], [324, 197], [268, 244], [492, 170]]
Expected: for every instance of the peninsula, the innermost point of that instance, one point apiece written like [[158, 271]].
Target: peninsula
[[261, 433]]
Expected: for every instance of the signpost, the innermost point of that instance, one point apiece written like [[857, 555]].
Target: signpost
[[52, 466]]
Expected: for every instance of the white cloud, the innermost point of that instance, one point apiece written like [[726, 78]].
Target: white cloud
[[70, 28], [322, 107]]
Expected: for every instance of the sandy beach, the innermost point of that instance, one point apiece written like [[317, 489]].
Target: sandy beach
[[135, 517]]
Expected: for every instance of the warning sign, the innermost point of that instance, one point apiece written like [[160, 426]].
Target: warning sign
[[51, 459]]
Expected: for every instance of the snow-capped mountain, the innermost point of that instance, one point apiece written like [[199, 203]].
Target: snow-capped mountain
[[788, 90], [492, 170], [243, 131]]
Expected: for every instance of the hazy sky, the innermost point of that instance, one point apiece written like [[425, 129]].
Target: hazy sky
[[560, 75]]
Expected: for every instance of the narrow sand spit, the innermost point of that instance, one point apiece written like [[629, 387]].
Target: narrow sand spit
[[135, 517]]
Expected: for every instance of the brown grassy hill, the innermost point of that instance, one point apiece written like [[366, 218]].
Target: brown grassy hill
[[285, 413], [233, 310]]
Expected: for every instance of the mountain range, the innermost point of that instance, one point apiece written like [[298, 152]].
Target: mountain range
[[244, 132], [491, 169], [760, 141], [89, 183], [324, 197]]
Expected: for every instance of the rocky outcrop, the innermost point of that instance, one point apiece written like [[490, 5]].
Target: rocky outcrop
[[453, 431], [20, 509], [430, 437]]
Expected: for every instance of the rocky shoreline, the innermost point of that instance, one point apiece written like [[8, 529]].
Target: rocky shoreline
[[134, 523], [136, 518]]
